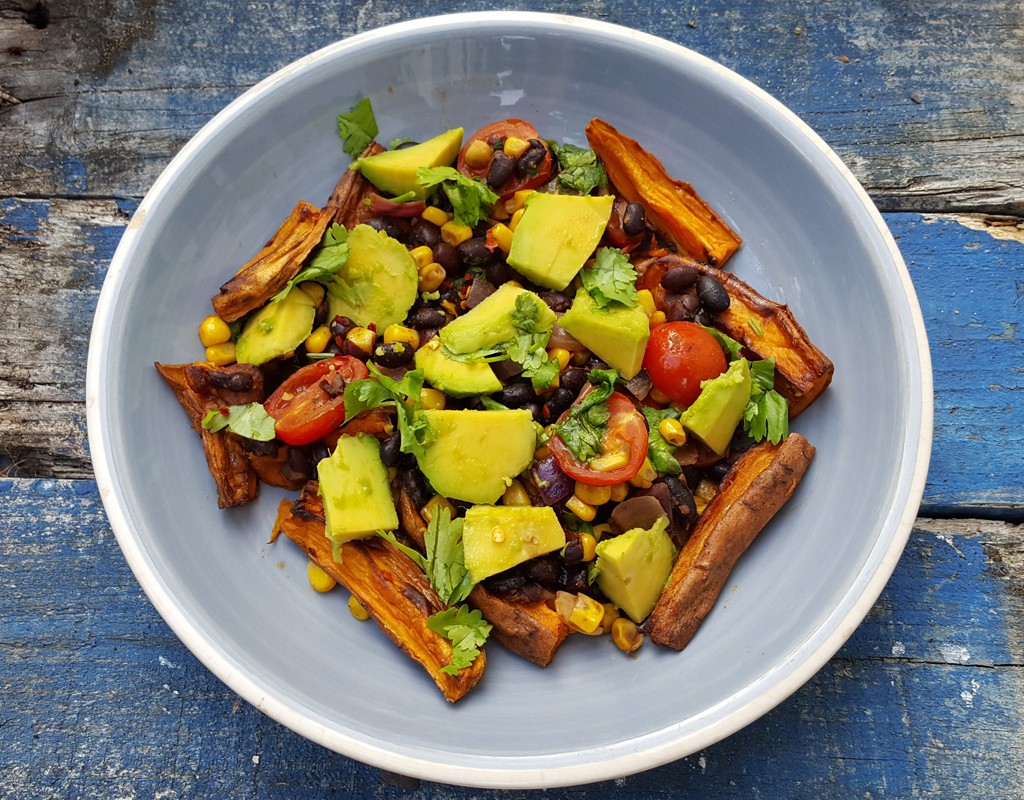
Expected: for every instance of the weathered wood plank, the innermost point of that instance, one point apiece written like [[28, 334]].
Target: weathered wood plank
[[970, 286], [924, 102], [101, 700]]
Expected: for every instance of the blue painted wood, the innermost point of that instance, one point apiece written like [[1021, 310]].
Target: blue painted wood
[[100, 699]]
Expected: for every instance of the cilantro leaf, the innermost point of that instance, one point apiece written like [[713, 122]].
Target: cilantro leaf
[[580, 169], [731, 347], [328, 259], [446, 566], [659, 451], [405, 394], [611, 279], [357, 127], [466, 629], [766, 415], [584, 425], [470, 199], [251, 421]]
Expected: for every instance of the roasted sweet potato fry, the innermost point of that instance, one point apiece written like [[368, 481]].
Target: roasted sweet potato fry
[[228, 461], [767, 329], [346, 201], [530, 630], [389, 585], [672, 206], [756, 487], [280, 260]]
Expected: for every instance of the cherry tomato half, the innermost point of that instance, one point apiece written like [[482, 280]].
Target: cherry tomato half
[[626, 433], [498, 132], [309, 405], [679, 356]]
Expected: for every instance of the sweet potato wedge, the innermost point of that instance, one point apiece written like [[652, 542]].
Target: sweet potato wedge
[[226, 458], [347, 200], [389, 585], [530, 630], [280, 260], [673, 207], [766, 328], [756, 487]]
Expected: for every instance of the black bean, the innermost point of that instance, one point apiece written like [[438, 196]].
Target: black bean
[[425, 234], [574, 579], [506, 582], [333, 386], [474, 252], [536, 407], [528, 163], [557, 403], [340, 326], [556, 301], [542, 570], [231, 381], [679, 279], [573, 380], [259, 448], [416, 486], [405, 144], [634, 219], [397, 228], [501, 170], [393, 354], [318, 452], [572, 553], [712, 294], [705, 318], [677, 309], [298, 466], [516, 395], [390, 449], [447, 256], [497, 271], [427, 317]]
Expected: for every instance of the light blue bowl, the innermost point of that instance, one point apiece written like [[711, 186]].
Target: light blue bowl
[[812, 239]]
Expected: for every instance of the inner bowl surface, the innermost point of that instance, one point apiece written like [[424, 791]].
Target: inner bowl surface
[[812, 239]]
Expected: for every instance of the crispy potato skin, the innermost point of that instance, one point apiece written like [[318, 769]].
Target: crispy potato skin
[[765, 328], [388, 584], [757, 486]]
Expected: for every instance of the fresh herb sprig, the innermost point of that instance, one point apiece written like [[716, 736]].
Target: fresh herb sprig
[[327, 260], [585, 424], [404, 394], [250, 420], [580, 169], [611, 279], [357, 127], [471, 199], [466, 629]]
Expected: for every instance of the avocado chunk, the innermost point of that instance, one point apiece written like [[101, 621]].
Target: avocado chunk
[[634, 567], [354, 486], [497, 538], [490, 323], [456, 378], [474, 455], [616, 334], [556, 236], [719, 407], [276, 329], [394, 171], [378, 283]]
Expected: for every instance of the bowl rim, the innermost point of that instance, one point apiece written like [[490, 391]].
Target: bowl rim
[[524, 772]]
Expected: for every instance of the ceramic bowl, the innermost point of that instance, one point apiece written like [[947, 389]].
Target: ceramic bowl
[[813, 240]]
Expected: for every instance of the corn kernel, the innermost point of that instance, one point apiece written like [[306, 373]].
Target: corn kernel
[[213, 330], [584, 511], [703, 493], [626, 635], [646, 300], [580, 612], [432, 399], [431, 277], [601, 530], [580, 357], [357, 609], [433, 504], [478, 155], [593, 495], [400, 333], [435, 215], [562, 355], [659, 397], [541, 452], [645, 477], [658, 318], [319, 579], [361, 339], [619, 492], [222, 354], [455, 233], [672, 431], [318, 340], [502, 235], [515, 147], [589, 543], [515, 495], [611, 613], [422, 255], [315, 291], [518, 200], [609, 461], [514, 221]]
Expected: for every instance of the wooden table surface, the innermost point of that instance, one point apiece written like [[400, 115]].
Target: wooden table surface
[[923, 99]]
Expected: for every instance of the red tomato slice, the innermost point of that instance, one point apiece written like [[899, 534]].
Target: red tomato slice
[[497, 132], [626, 433], [306, 407], [679, 356]]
